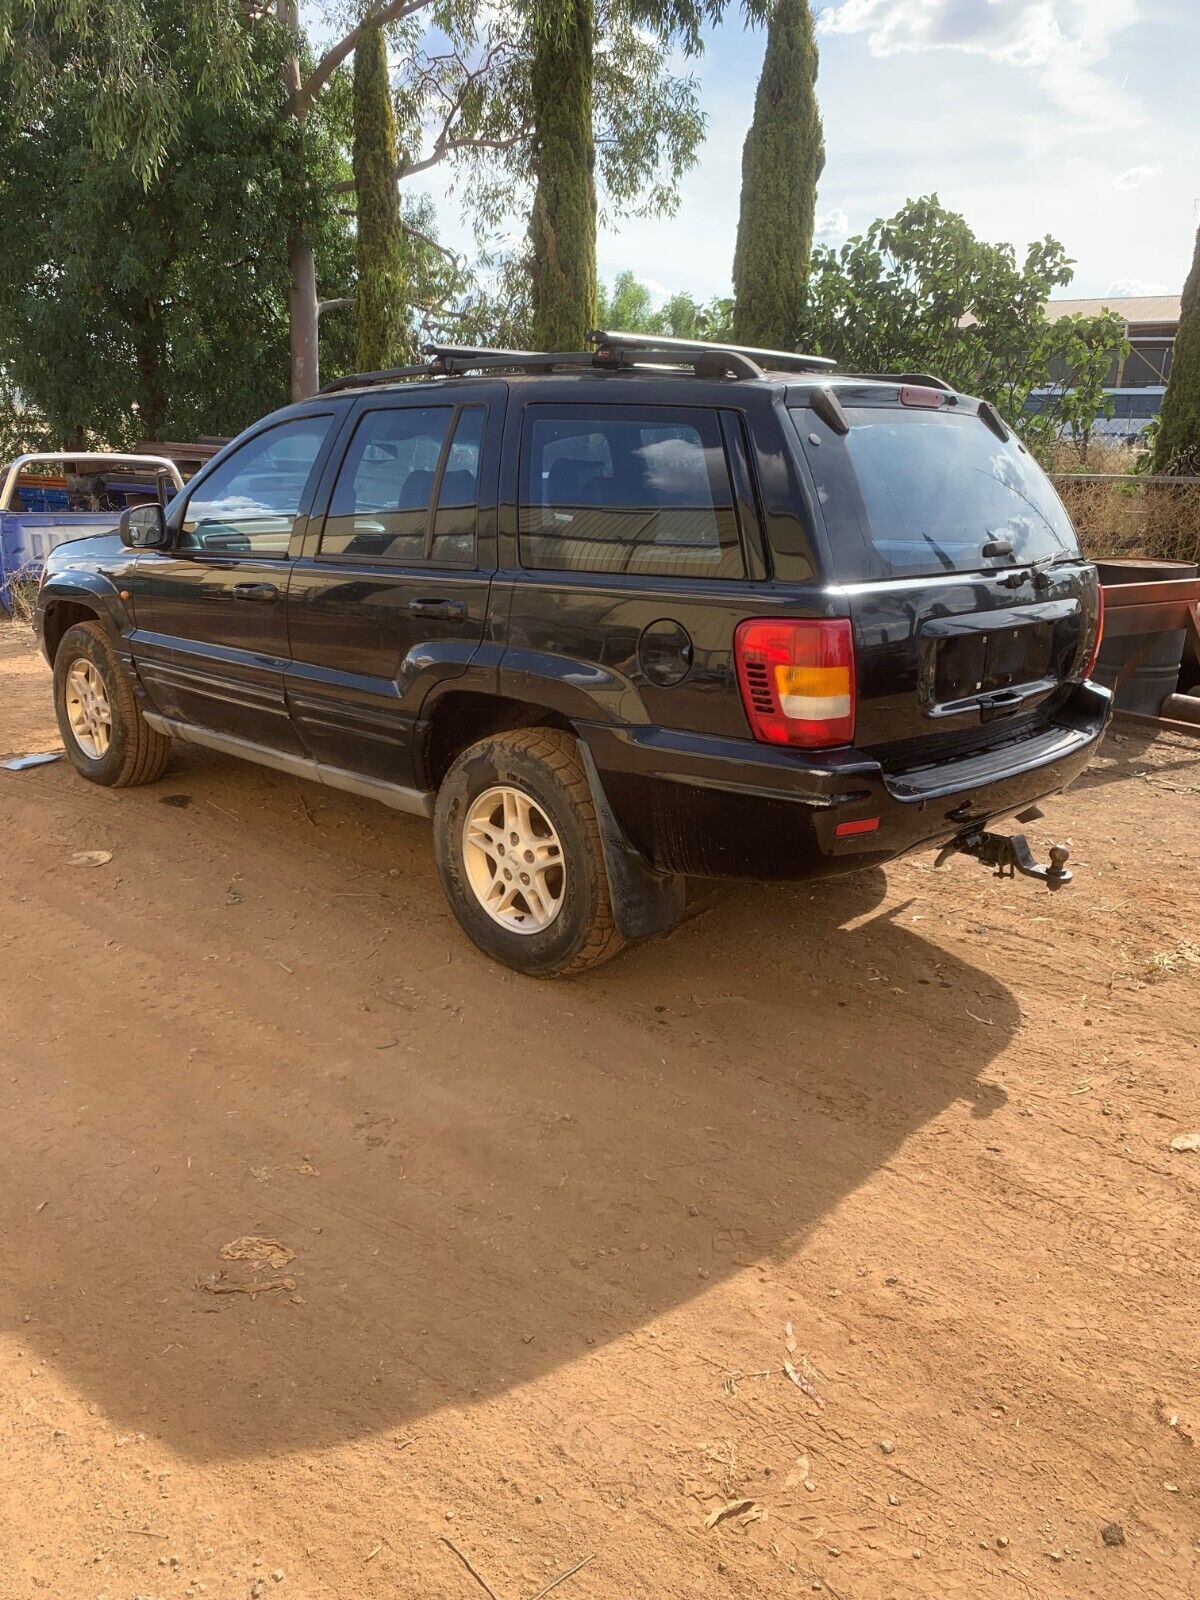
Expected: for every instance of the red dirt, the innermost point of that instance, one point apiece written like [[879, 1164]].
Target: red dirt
[[540, 1229]]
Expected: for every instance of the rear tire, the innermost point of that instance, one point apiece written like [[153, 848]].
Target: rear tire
[[107, 739], [521, 800]]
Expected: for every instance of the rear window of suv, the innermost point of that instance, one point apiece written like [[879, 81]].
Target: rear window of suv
[[911, 492]]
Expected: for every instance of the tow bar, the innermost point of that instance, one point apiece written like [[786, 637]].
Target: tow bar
[[1010, 854]]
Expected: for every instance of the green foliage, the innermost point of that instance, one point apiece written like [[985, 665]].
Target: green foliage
[[114, 52], [562, 225], [129, 309], [1177, 442], [629, 308], [383, 288], [918, 292], [782, 159]]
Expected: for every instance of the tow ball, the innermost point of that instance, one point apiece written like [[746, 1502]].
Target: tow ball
[[1010, 854]]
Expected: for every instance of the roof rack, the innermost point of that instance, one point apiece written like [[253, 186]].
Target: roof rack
[[747, 361], [613, 350]]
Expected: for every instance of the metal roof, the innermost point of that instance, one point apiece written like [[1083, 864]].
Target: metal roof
[[1133, 307]]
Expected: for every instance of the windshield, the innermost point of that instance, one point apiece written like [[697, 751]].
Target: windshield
[[910, 492]]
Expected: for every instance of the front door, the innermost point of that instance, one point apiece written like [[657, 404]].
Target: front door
[[211, 639], [391, 593]]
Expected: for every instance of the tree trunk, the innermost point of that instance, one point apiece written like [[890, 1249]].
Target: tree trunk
[[302, 308], [1177, 445], [302, 263], [782, 159], [562, 227]]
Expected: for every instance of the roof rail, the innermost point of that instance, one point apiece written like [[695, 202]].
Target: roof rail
[[746, 360], [925, 378], [364, 380]]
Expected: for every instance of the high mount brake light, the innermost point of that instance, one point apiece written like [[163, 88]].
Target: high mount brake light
[[1099, 639], [917, 394], [797, 680]]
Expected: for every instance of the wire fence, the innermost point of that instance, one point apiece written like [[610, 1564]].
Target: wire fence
[[1130, 514]]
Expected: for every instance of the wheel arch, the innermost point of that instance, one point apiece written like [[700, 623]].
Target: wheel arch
[[61, 612], [459, 718]]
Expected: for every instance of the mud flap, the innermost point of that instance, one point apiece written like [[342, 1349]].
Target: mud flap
[[644, 902]]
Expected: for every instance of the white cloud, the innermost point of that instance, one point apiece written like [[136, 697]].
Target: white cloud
[[1137, 286], [1135, 177], [833, 224], [1064, 42]]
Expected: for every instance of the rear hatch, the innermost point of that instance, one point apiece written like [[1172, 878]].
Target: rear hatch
[[973, 610]]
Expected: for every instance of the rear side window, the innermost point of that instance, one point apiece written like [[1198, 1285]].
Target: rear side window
[[911, 492], [639, 489]]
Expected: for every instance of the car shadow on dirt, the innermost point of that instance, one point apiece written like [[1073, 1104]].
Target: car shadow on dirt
[[482, 1177]]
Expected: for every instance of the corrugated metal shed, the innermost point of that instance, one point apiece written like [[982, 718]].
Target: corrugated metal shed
[[1157, 308]]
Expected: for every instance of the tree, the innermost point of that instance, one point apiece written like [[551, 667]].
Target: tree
[[383, 291], [464, 71], [918, 292], [131, 307], [562, 226], [628, 307], [782, 160], [1177, 441]]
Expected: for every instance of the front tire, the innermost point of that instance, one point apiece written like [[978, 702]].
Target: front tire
[[107, 739], [519, 853]]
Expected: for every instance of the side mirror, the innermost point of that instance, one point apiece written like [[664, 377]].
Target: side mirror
[[144, 527]]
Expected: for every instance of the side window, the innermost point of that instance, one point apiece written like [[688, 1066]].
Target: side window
[[454, 524], [381, 506], [250, 503], [642, 489], [380, 503]]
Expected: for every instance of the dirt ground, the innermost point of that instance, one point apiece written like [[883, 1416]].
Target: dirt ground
[[549, 1240]]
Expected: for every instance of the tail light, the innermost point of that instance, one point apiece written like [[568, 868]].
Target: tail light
[[797, 680], [1099, 639]]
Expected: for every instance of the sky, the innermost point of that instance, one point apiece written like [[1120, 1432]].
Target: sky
[[1071, 117]]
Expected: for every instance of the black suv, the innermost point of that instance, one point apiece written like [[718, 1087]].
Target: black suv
[[612, 619]]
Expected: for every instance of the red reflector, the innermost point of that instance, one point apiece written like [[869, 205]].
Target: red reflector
[[916, 394], [1099, 639], [797, 680], [844, 830]]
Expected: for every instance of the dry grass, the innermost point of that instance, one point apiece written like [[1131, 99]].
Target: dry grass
[[22, 593], [1124, 514]]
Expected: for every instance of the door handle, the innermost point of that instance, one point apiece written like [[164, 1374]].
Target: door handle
[[442, 610], [262, 592]]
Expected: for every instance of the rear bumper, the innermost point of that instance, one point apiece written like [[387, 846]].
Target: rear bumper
[[731, 808]]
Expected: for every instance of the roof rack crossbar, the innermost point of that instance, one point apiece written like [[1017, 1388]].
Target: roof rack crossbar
[[469, 358], [682, 349]]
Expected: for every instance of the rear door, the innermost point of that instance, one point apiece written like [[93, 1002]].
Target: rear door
[[637, 550], [972, 607], [390, 595], [211, 640]]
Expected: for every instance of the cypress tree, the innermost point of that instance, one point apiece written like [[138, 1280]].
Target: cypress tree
[[562, 227], [1177, 447], [381, 297], [781, 162]]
